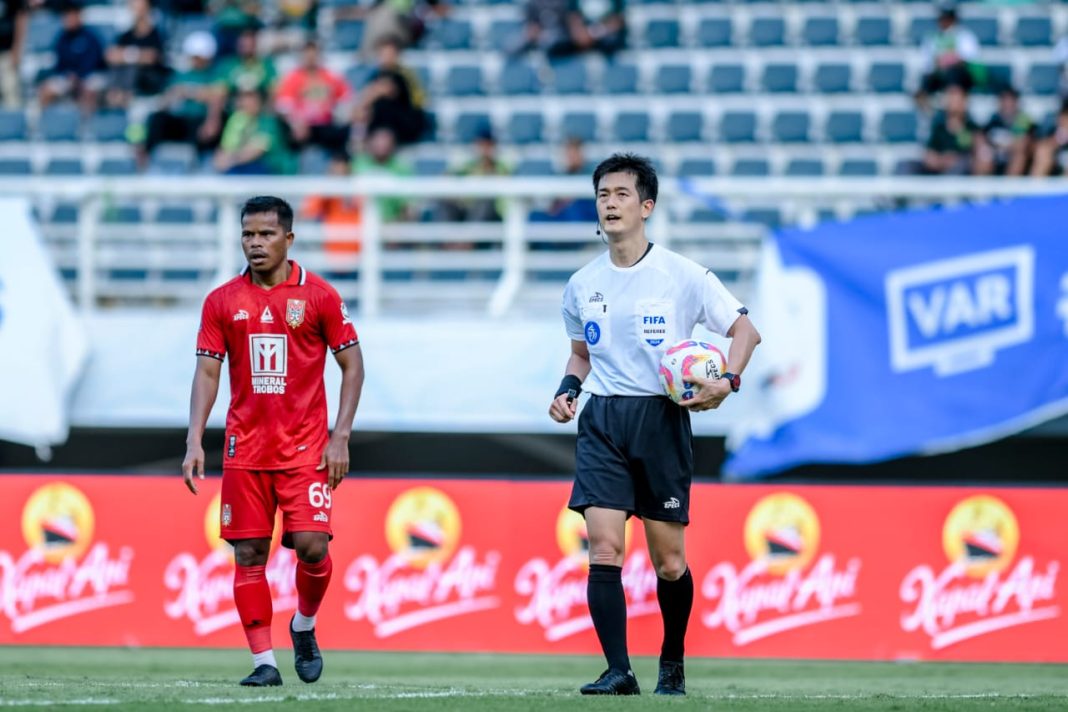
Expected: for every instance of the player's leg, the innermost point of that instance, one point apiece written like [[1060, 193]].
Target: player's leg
[[307, 505], [247, 522], [674, 593]]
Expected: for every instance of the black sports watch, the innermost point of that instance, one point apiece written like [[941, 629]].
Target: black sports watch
[[734, 379]]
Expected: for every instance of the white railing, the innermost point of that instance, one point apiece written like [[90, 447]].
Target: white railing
[[518, 266]]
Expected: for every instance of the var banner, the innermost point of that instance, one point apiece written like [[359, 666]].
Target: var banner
[[873, 573], [907, 333]]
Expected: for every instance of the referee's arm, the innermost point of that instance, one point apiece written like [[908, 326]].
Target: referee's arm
[[564, 403]]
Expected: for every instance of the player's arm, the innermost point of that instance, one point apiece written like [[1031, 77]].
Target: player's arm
[[336, 455], [565, 401], [205, 389]]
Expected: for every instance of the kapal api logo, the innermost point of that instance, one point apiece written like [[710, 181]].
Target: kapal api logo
[[984, 588], [430, 576], [555, 592], [787, 584], [203, 584], [63, 572]]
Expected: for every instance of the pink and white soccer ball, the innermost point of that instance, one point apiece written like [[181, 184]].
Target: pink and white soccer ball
[[686, 358]]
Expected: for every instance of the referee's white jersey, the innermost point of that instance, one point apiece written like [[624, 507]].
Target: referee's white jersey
[[628, 316]]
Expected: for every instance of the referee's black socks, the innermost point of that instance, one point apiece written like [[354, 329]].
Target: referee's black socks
[[608, 609], [676, 602]]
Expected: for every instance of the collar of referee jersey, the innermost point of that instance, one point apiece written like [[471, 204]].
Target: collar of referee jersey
[[297, 275]]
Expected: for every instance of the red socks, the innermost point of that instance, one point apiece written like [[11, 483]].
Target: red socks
[[312, 580], [252, 596]]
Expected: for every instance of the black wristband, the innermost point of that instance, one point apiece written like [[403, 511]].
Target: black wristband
[[571, 385]]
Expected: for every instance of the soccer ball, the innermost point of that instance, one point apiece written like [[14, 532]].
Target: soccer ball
[[685, 358]]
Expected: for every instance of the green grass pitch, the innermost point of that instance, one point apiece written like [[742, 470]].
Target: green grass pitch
[[160, 679]]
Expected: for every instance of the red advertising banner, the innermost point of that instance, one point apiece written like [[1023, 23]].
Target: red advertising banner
[[877, 573]]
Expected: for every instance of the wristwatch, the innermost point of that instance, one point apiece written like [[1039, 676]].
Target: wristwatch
[[734, 379]]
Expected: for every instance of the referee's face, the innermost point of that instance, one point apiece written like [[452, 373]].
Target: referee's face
[[619, 207]]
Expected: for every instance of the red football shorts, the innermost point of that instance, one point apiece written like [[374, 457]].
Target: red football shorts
[[250, 498]]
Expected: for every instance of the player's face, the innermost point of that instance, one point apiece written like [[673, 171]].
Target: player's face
[[264, 242], [619, 207]]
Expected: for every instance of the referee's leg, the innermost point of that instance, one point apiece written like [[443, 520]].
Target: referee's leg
[[674, 593]]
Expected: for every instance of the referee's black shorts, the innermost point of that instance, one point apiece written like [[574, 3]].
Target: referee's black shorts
[[635, 454]]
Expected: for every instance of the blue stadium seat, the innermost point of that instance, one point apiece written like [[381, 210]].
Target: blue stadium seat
[[791, 126], [108, 126], [662, 33], [631, 126], [805, 167], [122, 214], [673, 79], [833, 78], [726, 79], [15, 167], [60, 124], [64, 167], [175, 215], [12, 126], [579, 124], [42, 31], [570, 76], [430, 167], [858, 167], [738, 127], [873, 31], [715, 32], [886, 77], [1043, 78], [844, 127], [172, 159], [450, 34], [313, 161], [620, 78], [348, 35], [898, 127], [65, 214], [464, 80], [505, 34], [470, 124], [696, 167], [770, 218], [534, 167], [518, 78], [985, 29], [358, 74], [1034, 31], [920, 28], [779, 78], [820, 31], [706, 215], [749, 167], [685, 126], [767, 32], [524, 128], [117, 167]]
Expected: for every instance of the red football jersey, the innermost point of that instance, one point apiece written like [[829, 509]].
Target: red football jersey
[[276, 341]]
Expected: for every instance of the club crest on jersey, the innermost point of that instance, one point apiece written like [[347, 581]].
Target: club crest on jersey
[[295, 312]]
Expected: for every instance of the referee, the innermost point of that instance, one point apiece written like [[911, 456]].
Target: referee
[[634, 452]]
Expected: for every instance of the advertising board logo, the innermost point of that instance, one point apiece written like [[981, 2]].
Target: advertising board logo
[[980, 591], [556, 592], [954, 315], [62, 573], [787, 583], [430, 576]]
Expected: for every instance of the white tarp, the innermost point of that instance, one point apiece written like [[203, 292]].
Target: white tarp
[[43, 346]]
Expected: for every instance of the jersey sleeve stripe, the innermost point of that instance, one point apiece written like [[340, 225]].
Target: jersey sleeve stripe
[[212, 354], [342, 347]]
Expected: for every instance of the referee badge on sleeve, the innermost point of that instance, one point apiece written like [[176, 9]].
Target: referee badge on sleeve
[[595, 324]]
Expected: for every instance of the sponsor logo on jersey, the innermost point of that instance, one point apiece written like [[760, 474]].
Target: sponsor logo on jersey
[[980, 591], [63, 572], [269, 355], [785, 585], [596, 298], [345, 319], [294, 312], [672, 503], [240, 315], [321, 517], [266, 317]]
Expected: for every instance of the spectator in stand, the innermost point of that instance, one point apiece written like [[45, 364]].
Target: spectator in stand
[[79, 69], [341, 216], [307, 99], [247, 70], [13, 25], [193, 103], [484, 163], [392, 98], [950, 55], [1007, 140], [380, 159], [294, 23], [232, 18], [253, 141], [405, 20], [137, 59], [953, 137], [564, 27], [573, 209], [1049, 150]]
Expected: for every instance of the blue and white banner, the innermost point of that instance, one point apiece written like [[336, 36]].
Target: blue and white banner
[[907, 333], [43, 346]]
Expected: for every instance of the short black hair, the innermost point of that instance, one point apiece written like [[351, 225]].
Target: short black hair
[[638, 166], [269, 204]]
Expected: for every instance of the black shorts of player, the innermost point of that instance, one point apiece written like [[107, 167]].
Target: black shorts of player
[[634, 454]]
